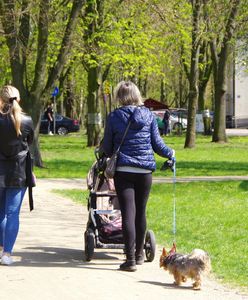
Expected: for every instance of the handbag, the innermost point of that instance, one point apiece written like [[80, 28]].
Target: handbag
[[31, 179], [111, 166], [112, 161]]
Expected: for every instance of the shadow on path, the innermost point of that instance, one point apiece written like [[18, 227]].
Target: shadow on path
[[167, 285], [64, 257]]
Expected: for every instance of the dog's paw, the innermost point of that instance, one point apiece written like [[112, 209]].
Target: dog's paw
[[196, 286]]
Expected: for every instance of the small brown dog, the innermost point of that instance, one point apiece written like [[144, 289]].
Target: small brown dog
[[184, 266]]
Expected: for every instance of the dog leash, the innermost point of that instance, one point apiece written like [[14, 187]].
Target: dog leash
[[171, 164], [174, 202]]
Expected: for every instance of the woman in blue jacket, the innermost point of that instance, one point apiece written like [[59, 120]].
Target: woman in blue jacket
[[133, 177]]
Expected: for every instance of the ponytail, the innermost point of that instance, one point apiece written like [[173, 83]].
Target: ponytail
[[9, 98]]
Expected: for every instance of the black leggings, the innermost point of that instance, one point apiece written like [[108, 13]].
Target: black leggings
[[133, 191]]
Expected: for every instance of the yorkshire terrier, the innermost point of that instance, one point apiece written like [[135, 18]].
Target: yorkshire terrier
[[184, 266]]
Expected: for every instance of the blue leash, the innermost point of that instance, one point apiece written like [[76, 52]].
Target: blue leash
[[174, 202], [171, 163]]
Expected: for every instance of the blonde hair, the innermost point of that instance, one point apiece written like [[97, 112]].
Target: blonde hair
[[9, 98], [127, 93]]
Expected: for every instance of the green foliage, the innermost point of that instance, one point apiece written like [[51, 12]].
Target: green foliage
[[4, 66], [145, 41]]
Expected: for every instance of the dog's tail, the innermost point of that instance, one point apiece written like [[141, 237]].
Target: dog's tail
[[203, 258]]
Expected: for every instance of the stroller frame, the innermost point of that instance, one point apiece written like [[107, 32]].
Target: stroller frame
[[92, 235]]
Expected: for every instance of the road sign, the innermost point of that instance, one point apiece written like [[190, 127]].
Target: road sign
[[55, 91]]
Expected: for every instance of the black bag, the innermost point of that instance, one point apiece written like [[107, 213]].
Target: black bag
[[111, 165]]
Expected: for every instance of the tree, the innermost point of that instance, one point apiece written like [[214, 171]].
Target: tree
[[20, 35], [115, 37], [193, 73], [94, 16], [221, 48]]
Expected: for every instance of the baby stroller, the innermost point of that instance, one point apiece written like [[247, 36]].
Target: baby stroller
[[104, 226]]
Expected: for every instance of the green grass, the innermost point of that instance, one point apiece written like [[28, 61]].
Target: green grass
[[65, 157], [209, 215], [68, 157], [78, 196]]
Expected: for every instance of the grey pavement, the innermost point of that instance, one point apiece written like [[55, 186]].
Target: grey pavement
[[237, 131], [77, 183], [49, 261]]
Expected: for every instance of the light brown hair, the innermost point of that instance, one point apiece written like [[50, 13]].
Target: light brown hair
[[127, 93]]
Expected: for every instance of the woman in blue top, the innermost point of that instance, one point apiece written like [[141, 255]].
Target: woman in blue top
[[133, 177]]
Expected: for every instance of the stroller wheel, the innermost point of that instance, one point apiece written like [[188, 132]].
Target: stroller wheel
[[89, 244], [150, 245]]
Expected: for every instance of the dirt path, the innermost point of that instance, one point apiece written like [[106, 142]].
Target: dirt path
[[49, 265]]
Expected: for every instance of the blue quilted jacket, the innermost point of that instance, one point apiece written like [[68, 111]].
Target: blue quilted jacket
[[142, 139]]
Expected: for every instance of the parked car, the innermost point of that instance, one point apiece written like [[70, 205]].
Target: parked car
[[178, 119], [64, 125]]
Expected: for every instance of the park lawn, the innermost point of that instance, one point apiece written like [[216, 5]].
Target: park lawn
[[65, 156], [69, 157], [209, 215]]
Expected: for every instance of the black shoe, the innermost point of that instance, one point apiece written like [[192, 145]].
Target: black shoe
[[128, 266], [139, 259]]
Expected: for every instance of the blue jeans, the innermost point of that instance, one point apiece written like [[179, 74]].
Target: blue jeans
[[10, 205]]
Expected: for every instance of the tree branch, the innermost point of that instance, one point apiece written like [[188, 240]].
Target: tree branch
[[106, 72], [66, 44], [185, 67], [40, 66]]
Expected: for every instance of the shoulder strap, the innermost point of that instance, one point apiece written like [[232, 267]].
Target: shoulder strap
[[30, 180], [125, 133]]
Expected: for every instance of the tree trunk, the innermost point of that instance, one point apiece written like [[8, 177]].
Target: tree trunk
[[94, 15], [191, 123], [144, 92], [219, 134], [201, 98], [69, 101], [94, 121], [162, 91], [36, 114], [220, 61], [193, 77], [204, 73], [180, 92]]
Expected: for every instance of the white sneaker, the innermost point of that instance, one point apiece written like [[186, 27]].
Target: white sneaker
[[50, 133], [6, 260]]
